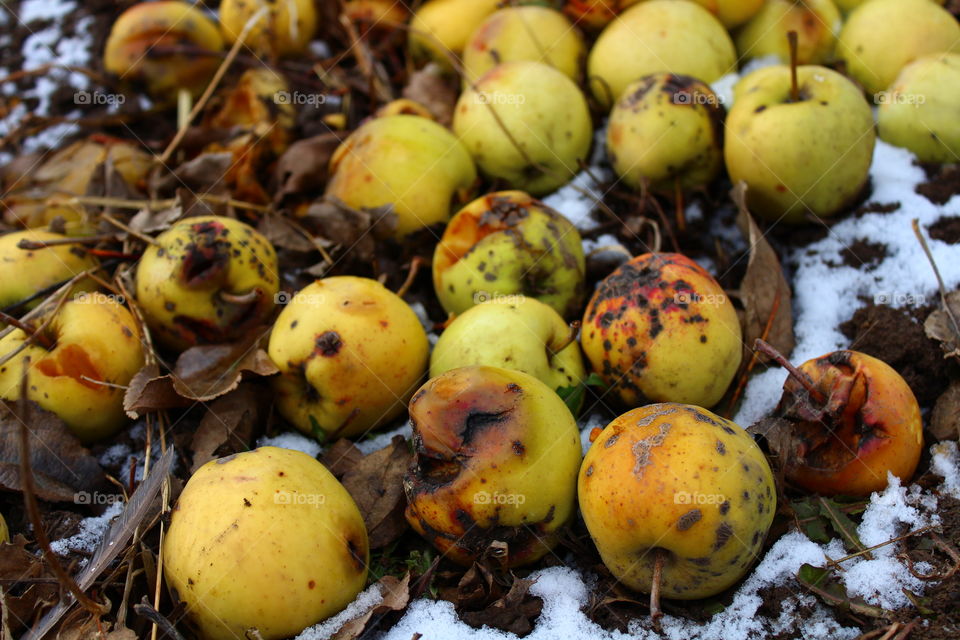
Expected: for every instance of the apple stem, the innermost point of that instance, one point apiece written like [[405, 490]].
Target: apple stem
[[766, 348], [794, 89], [659, 557], [28, 329], [678, 200], [571, 337], [241, 298], [415, 265]]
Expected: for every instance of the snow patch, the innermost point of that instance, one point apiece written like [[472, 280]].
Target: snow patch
[[294, 441], [92, 531]]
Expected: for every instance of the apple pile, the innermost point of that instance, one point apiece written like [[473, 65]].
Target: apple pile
[[677, 499]]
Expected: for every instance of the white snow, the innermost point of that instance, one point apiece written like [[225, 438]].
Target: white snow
[[293, 440], [945, 461], [44, 46], [91, 533], [368, 598], [381, 440]]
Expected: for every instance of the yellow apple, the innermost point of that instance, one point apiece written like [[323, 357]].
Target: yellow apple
[[24, 272], [439, 29], [284, 31], [350, 353], [265, 539], [410, 163], [96, 352], [816, 22]]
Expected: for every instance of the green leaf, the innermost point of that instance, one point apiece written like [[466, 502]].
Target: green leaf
[[822, 583], [317, 431], [919, 602], [574, 395], [843, 525]]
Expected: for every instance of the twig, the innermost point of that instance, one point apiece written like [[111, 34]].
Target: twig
[[214, 83], [754, 357], [28, 329], [411, 276], [36, 245], [145, 610], [22, 414], [883, 544], [136, 234], [936, 272], [766, 348]]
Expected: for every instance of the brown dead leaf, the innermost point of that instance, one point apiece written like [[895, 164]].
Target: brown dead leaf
[[342, 456], [357, 229], [229, 425], [945, 419], [19, 565], [150, 221], [149, 391], [302, 169], [209, 371], [434, 90], [200, 174], [939, 326], [516, 612], [283, 234], [62, 467], [396, 596], [376, 484], [762, 284]]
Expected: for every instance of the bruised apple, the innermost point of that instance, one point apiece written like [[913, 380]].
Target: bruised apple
[[496, 454]]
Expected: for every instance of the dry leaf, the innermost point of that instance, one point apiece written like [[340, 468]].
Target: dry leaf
[[939, 326], [356, 229], [945, 419], [434, 90], [208, 371], [396, 596], [62, 467], [376, 484], [229, 425], [282, 234], [302, 169], [762, 284], [18, 564], [342, 456], [516, 612], [149, 391]]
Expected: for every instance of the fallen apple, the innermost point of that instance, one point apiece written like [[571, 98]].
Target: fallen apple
[[439, 29], [661, 329], [79, 365], [919, 110], [508, 244], [880, 37], [516, 333], [816, 23], [677, 486], [135, 47], [659, 36], [266, 540], [496, 454], [411, 163], [852, 420], [803, 151], [26, 272], [284, 30], [523, 33], [525, 123], [666, 128], [207, 280], [594, 15], [350, 353]]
